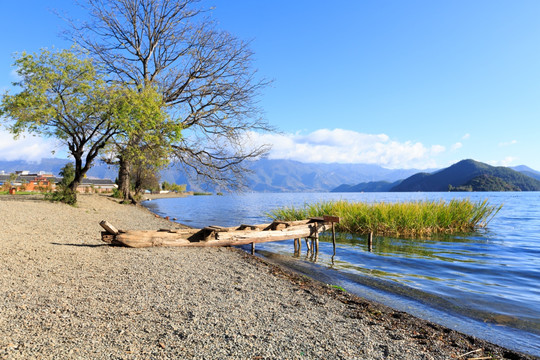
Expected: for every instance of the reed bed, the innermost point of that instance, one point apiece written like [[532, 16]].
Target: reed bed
[[406, 219]]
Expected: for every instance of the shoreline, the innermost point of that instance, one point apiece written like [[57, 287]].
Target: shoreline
[[164, 302], [149, 197]]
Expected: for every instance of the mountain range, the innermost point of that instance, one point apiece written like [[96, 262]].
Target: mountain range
[[466, 175], [293, 176]]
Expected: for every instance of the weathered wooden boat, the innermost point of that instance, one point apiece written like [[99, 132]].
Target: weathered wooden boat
[[221, 236]]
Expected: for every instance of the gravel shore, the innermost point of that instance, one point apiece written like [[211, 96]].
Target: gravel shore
[[66, 295]]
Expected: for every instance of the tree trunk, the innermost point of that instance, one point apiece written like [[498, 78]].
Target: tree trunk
[[124, 180]]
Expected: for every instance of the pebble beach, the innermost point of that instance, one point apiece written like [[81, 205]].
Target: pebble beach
[[64, 294]]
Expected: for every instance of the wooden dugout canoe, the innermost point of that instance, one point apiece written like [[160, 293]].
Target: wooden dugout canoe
[[215, 235]]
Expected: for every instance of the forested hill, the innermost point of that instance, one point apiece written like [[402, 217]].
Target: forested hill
[[470, 175], [371, 186]]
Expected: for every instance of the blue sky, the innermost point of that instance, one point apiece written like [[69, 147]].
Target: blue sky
[[398, 83]]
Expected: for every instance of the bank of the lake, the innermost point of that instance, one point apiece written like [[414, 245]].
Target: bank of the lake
[[67, 295], [481, 283]]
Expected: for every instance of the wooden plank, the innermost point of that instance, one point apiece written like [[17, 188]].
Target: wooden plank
[[331, 219], [217, 228], [291, 223], [292, 232], [253, 227], [139, 239], [109, 227]]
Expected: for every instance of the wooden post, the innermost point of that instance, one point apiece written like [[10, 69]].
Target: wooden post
[[109, 227], [252, 248], [334, 238], [307, 245], [332, 220], [370, 241], [297, 246]]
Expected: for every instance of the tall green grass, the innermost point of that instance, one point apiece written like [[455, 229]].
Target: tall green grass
[[415, 218]]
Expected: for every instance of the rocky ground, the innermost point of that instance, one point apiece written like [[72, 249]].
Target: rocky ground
[[66, 295]]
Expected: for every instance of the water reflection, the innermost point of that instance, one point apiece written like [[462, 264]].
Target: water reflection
[[425, 270], [442, 247]]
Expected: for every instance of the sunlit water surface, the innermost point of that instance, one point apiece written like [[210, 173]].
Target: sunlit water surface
[[486, 284]]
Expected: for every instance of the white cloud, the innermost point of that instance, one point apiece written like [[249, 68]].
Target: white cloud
[[466, 136], [456, 146], [28, 147], [508, 143], [346, 146], [507, 161]]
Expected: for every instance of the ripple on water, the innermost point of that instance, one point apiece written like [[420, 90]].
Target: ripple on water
[[483, 283]]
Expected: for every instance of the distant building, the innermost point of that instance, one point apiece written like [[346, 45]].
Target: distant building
[[42, 181], [96, 186]]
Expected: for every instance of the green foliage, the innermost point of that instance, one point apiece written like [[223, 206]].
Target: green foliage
[[117, 194], [416, 218], [338, 288], [173, 187], [65, 195], [147, 130], [57, 88], [68, 174], [65, 96], [19, 193], [199, 193], [63, 192]]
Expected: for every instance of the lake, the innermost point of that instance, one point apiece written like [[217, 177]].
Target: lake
[[485, 284]]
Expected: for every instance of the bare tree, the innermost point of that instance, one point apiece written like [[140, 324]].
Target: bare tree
[[205, 76]]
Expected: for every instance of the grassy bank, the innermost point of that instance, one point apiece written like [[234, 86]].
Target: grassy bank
[[416, 218]]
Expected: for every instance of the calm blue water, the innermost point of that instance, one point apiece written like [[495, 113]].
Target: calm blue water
[[486, 284]]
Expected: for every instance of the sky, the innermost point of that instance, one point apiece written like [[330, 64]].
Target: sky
[[402, 84]]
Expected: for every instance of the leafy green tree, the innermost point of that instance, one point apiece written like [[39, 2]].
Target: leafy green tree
[[147, 136], [64, 97]]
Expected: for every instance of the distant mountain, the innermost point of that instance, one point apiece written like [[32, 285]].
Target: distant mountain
[[470, 175], [294, 176], [267, 175], [372, 186], [525, 170]]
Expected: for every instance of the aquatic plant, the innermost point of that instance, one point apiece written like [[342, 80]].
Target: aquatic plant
[[415, 218]]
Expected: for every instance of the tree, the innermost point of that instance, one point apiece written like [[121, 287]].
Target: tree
[[146, 139], [68, 174], [204, 76], [144, 177], [64, 97], [64, 192]]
